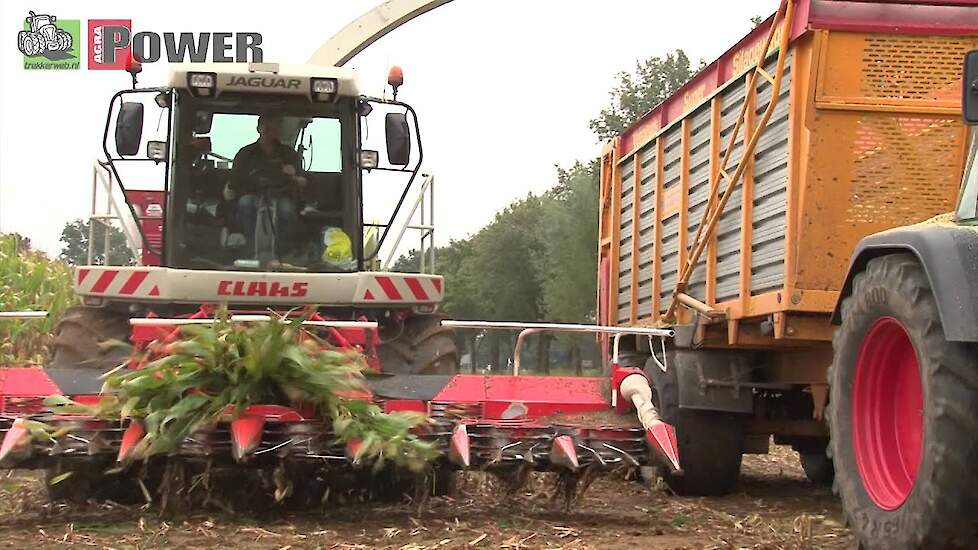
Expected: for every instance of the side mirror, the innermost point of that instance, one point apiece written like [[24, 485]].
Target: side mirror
[[969, 101], [398, 139], [129, 128]]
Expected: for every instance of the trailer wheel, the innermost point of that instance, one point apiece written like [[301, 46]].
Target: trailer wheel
[[818, 467], [421, 347], [898, 388], [80, 333], [710, 442]]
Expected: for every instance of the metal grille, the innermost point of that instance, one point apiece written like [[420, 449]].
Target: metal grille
[[625, 239], [647, 158], [672, 171], [770, 203], [699, 190], [924, 67], [905, 169], [728, 229]]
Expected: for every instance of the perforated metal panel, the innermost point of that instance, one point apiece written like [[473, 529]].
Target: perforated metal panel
[[918, 67], [904, 167]]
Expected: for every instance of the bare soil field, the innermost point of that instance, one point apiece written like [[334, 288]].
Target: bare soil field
[[775, 507]]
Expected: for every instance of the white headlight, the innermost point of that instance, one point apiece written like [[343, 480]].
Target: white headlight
[[156, 150], [324, 85], [202, 84], [369, 159], [201, 80]]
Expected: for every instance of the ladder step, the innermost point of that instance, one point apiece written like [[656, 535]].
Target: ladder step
[[696, 305]]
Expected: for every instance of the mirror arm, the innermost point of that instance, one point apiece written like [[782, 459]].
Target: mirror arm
[[414, 173], [115, 172]]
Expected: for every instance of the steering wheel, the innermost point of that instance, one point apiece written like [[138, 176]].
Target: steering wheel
[[270, 177]]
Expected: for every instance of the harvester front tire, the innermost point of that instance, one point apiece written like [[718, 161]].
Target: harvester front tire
[[710, 442], [80, 336], [422, 347], [903, 414]]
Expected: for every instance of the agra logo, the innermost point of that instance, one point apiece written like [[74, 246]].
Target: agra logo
[[47, 45]]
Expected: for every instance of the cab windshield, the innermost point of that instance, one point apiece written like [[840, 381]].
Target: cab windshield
[[264, 189]]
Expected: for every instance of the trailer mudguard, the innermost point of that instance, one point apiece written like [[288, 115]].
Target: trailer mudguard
[[949, 256]]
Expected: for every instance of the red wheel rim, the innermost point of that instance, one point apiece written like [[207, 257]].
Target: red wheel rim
[[887, 414]]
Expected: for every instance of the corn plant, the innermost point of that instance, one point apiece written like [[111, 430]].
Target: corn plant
[[30, 281], [213, 372]]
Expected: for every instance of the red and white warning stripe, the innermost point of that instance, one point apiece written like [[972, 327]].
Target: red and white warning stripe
[[116, 281], [401, 288]]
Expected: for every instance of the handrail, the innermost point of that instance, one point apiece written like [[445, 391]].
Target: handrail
[[21, 315], [113, 212], [427, 229], [527, 329], [714, 208]]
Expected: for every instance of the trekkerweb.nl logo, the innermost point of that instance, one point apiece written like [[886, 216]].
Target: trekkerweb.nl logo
[[49, 43]]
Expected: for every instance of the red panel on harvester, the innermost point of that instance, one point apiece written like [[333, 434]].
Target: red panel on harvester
[[26, 382], [521, 397]]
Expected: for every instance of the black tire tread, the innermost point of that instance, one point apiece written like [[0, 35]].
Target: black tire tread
[[80, 333], [423, 347], [938, 512], [710, 442]]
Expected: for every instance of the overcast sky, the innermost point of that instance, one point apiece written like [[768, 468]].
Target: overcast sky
[[504, 89]]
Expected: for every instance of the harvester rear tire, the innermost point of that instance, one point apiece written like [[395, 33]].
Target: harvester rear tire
[[710, 442], [422, 347], [891, 328], [78, 336]]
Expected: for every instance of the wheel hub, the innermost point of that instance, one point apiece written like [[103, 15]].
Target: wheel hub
[[887, 414]]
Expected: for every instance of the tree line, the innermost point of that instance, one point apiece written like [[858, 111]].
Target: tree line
[[537, 259]]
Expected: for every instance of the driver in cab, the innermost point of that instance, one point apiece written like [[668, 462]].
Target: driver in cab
[[266, 170]]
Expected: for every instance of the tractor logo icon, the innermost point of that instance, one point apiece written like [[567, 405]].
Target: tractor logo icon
[[44, 38]]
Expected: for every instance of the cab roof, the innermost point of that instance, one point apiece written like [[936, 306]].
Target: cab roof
[[270, 78]]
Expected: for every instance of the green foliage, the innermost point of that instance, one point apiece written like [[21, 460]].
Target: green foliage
[[30, 281], [635, 94], [75, 249], [537, 259], [570, 229], [214, 372]]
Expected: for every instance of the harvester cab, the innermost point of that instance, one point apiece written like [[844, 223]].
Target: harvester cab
[[258, 203]]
